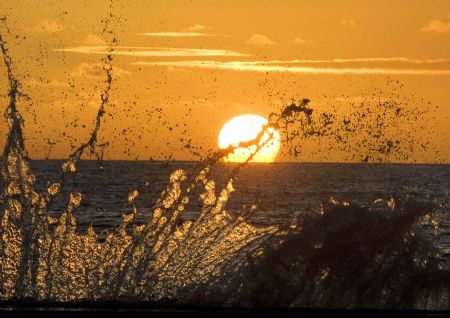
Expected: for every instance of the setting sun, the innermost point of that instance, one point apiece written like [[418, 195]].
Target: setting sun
[[245, 128]]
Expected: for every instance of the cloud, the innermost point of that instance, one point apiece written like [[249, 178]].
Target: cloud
[[264, 67], [176, 34], [359, 60], [94, 39], [45, 83], [173, 69], [437, 26], [192, 31], [46, 26], [348, 23], [259, 39], [96, 70], [149, 51], [301, 41], [197, 27]]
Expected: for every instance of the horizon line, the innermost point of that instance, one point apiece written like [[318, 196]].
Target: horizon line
[[234, 163]]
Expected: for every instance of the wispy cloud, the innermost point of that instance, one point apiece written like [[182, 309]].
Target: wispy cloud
[[197, 27], [96, 70], [149, 51], [259, 39], [264, 67], [348, 23], [46, 26], [94, 39], [176, 34], [192, 31], [45, 83], [437, 26], [358, 60], [301, 41]]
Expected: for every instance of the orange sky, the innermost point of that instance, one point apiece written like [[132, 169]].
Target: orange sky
[[183, 68]]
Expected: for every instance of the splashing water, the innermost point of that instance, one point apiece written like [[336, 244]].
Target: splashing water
[[372, 256], [43, 258]]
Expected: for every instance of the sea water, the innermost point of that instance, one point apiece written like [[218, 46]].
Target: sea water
[[279, 191]]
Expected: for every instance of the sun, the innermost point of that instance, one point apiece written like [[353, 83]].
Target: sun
[[245, 128]]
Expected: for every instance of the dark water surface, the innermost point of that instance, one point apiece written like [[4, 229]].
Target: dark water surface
[[279, 190]]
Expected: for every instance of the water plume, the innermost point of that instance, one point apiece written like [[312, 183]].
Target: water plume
[[44, 258], [374, 256]]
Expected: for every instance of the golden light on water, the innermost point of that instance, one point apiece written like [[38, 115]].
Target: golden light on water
[[245, 128]]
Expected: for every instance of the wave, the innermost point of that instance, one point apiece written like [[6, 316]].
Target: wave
[[375, 256]]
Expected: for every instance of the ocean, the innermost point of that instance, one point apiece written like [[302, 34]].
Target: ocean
[[279, 190]]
